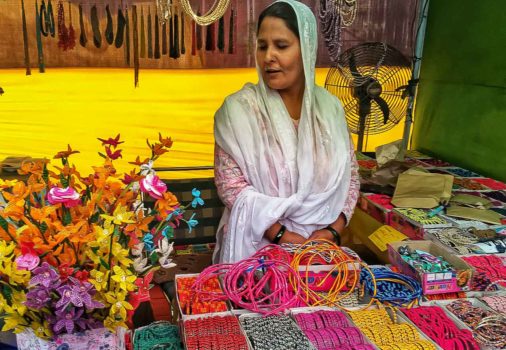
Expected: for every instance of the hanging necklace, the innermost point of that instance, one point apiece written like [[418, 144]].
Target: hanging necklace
[[164, 10], [217, 11], [335, 14], [348, 11]]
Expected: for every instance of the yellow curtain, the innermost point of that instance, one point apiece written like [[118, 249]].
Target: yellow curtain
[[42, 113]]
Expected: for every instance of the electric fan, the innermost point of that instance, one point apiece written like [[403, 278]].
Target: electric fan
[[371, 80]]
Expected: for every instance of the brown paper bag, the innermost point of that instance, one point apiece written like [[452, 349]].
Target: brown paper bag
[[416, 189]]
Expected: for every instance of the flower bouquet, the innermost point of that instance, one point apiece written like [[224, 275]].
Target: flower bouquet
[[77, 253]]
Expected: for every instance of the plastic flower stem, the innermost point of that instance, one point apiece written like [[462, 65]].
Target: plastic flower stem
[[110, 255], [71, 246], [12, 238], [125, 190]]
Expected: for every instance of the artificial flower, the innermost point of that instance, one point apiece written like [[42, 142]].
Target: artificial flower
[[119, 305], [192, 223], [124, 278], [14, 322], [44, 275], [65, 154], [99, 279], [153, 186], [73, 247], [16, 276], [68, 196], [41, 330], [121, 255], [68, 320], [113, 154], [27, 262], [120, 216], [114, 142], [148, 242], [196, 198]]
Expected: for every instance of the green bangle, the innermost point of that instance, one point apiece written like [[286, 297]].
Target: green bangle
[[280, 234], [336, 235]]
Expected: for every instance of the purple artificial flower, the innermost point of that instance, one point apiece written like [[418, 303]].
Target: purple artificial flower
[[77, 293], [37, 298], [44, 275], [68, 320]]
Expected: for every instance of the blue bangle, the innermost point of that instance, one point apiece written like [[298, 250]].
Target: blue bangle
[[391, 287]]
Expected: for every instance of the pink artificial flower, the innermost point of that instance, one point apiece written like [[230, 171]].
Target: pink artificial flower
[[68, 196], [153, 186], [27, 262]]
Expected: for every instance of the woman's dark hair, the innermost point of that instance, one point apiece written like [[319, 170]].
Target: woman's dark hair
[[283, 11]]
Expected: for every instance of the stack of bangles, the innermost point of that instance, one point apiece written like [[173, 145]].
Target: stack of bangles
[[331, 330], [214, 332], [489, 328], [496, 302], [433, 321], [388, 335], [274, 332], [391, 287], [491, 266], [193, 303]]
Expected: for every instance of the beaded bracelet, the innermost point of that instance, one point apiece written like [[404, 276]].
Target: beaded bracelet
[[274, 332]]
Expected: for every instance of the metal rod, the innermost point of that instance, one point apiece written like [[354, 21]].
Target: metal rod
[[184, 168], [420, 38]]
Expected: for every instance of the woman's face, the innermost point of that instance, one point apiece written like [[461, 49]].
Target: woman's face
[[279, 55]]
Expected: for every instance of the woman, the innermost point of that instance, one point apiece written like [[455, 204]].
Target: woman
[[284, 162]]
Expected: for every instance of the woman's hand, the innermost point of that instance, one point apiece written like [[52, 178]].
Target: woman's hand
[[292, 237], [322, 234]]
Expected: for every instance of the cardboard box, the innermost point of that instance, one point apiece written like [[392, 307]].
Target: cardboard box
[[182, 311], [414, 222], [370, 204], [434, 283]]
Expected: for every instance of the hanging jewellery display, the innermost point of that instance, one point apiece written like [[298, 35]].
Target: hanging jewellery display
[[215, 13], [163, 8], [348, 11], [335, 14]]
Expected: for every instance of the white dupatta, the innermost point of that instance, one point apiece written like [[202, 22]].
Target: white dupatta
[[297, 177]]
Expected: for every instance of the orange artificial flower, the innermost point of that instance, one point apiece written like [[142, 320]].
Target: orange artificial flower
[[138, 228], [166, 204], [138, 161], [65, 154], [166, 142]]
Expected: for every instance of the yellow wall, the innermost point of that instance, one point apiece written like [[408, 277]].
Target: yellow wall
[[42, 113]]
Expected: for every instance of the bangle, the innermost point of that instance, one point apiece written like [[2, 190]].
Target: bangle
[[280, 234], [336, 235]]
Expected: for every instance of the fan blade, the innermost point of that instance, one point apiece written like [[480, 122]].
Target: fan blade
[[353, 67], [384, 108], [364, 108]]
